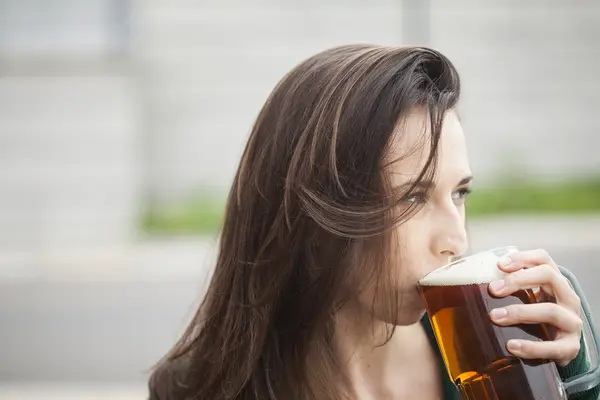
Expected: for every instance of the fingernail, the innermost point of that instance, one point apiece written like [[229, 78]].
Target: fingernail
[[514, 345], [504, 261], [498, 313], [497, 285]]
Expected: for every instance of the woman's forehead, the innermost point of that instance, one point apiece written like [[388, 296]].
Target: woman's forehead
[[411, 146]]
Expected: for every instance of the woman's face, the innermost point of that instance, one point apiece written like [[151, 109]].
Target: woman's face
[[436, 234]]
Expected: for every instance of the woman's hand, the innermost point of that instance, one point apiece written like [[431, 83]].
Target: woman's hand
[[533, 269]]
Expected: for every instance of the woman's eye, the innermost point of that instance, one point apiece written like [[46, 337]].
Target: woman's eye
[[416, 198], [461, 194]]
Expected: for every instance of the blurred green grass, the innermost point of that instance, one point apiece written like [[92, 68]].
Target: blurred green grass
[[544, 198], [203, 214]]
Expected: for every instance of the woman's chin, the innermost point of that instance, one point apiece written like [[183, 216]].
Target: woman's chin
[[410, 316]]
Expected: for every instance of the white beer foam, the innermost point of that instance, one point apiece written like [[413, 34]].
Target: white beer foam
[[476, 269]]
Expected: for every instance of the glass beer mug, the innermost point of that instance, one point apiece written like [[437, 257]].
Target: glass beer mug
[[474, 348]]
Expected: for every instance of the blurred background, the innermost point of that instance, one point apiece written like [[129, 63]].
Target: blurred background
[[122, 123]]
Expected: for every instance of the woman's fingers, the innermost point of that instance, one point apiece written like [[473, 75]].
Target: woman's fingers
[[537, 313], [525, 259], [544, 276], [535, 269], [562, 350]]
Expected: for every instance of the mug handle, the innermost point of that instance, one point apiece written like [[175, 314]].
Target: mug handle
[[591, 378]]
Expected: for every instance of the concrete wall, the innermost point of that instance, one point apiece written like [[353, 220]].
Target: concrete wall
[[68, 161], [527, 68], [530, 79], [69, 142], [209, 66]]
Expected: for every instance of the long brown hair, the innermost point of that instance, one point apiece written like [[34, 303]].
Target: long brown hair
[[309, 215]]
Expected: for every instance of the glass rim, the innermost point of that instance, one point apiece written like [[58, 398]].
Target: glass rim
[[467, 258]]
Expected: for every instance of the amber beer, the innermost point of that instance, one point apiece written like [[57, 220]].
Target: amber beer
[[474, 348]]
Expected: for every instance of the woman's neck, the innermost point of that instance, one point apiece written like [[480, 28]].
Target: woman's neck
[[376, 369]]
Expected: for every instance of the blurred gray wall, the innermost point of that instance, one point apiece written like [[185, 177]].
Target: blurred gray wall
[[69, 138], [104, 107], [531, 82], [209, 66], [528, 70]]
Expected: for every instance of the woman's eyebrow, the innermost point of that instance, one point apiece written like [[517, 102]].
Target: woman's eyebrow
[[428, 184], [465, 180]]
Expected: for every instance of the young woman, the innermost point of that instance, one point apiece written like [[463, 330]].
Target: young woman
[[352, 187]]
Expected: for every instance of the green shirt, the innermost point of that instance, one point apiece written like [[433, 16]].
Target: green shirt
[[579, 365]]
